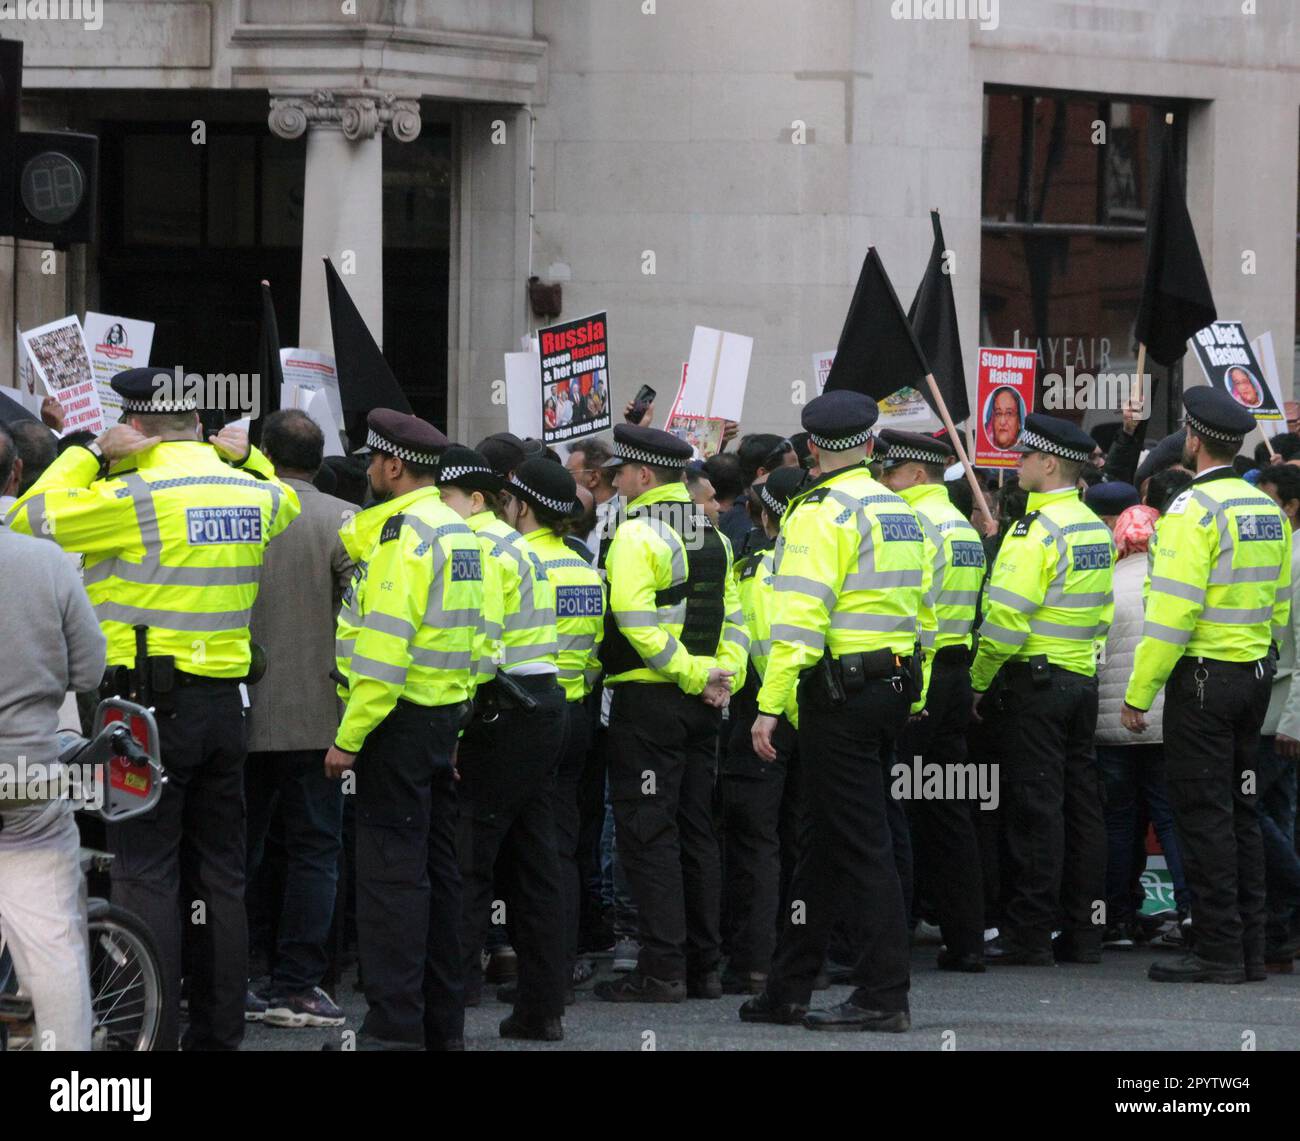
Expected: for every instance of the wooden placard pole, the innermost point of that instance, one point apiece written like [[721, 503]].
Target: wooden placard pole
[[953, 435]]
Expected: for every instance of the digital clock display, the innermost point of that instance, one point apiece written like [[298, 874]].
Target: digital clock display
[[52, 186]]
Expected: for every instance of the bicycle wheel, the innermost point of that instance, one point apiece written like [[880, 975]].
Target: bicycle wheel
[[126, 982]]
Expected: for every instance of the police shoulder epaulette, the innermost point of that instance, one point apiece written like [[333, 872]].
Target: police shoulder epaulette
[[749, 565], [817, 495], [392, 528], [1021, 529]]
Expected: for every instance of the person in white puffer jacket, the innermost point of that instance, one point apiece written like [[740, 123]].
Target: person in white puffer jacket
[[1133, 774]]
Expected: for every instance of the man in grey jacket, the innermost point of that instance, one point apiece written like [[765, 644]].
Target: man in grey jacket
[[53, 644], [292, 722]]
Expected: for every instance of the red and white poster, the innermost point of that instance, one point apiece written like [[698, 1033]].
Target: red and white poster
[[62, 365], [574, 362], [1006, 397], [115, 344]]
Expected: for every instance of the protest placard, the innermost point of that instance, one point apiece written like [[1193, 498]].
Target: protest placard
[[1229, 364], [311, 384], [62, 365], [822, 368], [718, 373], [1264, 353], [703, 433], [575, 389], [906, 409], [1005, 396], [115, 344], [523, 394]]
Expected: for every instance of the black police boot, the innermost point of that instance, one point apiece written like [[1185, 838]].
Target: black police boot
[[849, 1016], [1194, 969], [1071, 949], [636, 987], [510, 994], [970, 964], [743, 982], [539, 1030], [1005, 952], [706, 984], [761, 1008]]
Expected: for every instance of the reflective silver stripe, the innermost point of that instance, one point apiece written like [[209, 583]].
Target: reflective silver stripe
[[531, 619], [378, 671], [810, 638], [660, 660], [674, 541], [636, 619], [1165, 633], [928, 638], [454, 619], [956, 625], [157, 574], [1186, 590], [343, 647], [492, 629], [808, 586], [739, 637], [513, 655], [1009, 598], [1234, 576], [882, 580], [760, 649], [1003, 635], [146, 515], [196, 622], [675, 614], [388, 624], [590, 675], [576, 643], [736, 617], [1062, 599], [881, 623], [958, 598], [36, 517], [1058, 630], [1240, 617], [1279, 632], [431, 535], [443, 659]]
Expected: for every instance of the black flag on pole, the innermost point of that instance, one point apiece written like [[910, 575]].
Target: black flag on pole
[[1176, 299], [270, 375], [933, 317], [878, 352], [365, 380]]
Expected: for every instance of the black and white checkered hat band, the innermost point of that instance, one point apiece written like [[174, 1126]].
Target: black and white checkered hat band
[[1031, 441], [160, 407], [452, 474], [377, 443], [770, 501], [556, 505], [1214, 433], [841, 445], [654, 459], [903, 453]]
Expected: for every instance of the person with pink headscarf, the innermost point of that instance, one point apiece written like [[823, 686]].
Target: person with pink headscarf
[[1133, 774]]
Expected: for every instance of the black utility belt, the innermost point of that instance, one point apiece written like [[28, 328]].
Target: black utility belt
[[1040, 671], [512, 692], [871, 665], [849, 673], [1252, 666]]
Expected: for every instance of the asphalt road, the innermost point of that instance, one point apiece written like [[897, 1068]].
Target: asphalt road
[[1108, 1007]]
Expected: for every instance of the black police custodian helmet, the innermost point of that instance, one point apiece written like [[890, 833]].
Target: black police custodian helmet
[[841, 420], [1216, 416], [1054, 437], [467, 469], [636, 445], [543, 483], [781, 485], [405, 436], [914, 447], [154, 391]]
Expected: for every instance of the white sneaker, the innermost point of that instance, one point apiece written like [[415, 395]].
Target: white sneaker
[[626, 953]]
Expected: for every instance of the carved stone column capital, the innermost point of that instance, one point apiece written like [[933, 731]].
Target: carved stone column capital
[[358, 114]]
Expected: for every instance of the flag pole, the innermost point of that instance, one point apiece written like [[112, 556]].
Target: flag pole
[[953, 435]]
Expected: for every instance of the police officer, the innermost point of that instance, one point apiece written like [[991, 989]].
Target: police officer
[[1049, 604], [1219, 599], [509, 756], [408, 631], [755, 796], [674, 642], [173, 532], [943, 834], [849, 565], [542, 504]]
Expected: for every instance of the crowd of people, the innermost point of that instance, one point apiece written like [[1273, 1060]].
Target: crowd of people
[[749, 724]]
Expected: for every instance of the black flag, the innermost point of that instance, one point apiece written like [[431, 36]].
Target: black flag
[[933, 317], [365, 380], [11, 412], [271, 377], [1176, 299], [878, 353]]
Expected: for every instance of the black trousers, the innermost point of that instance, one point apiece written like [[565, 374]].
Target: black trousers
[[753, 792], [945, 851], [847, 864], [408, 881], [662, 767], [181, 868], [1055, 831], [1211, 749], [507, 791], [568, 782]]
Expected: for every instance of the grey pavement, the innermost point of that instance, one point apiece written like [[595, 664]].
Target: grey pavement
[[1107, 1007]]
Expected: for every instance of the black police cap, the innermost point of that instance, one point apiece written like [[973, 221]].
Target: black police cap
[[154, 391], [1111, 497], [913, 447], [405, 436], [504, 451], [1216, 416], [838, 421], [467, 469], [636, 445], [780, 486], [1054, 437], [544, 483]]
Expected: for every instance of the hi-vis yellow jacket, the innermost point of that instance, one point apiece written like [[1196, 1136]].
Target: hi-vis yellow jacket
[[954, 573], [411, 623], [579, 612], [528, 635], [754, 584], [849, 565], [173, 539], [648, 559], [1220, 578], [1050, 590]]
